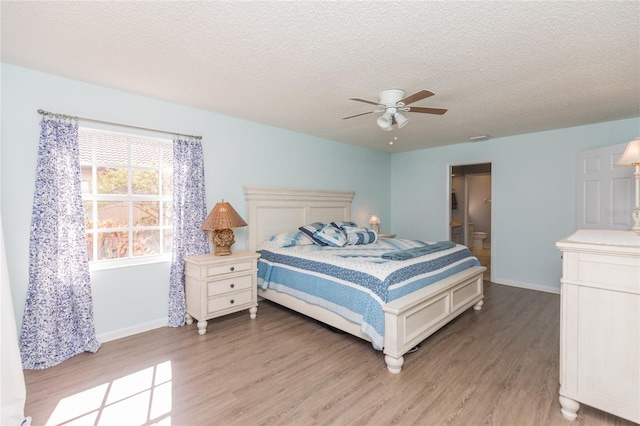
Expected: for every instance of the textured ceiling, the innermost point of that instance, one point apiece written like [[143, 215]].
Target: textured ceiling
[[501, 68]]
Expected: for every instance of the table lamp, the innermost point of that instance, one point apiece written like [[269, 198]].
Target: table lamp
[[374, 221], [631, 157], [222, 218]]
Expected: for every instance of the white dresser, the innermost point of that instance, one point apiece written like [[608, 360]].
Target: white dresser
[[600, 322]]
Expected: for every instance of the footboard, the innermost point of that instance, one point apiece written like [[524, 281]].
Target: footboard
[[412, 318]]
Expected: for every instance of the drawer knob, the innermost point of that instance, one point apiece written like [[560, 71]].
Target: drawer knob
[[232, 301], [232, 269], [232, 285]]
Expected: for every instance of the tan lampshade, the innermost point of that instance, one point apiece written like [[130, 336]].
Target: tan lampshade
[[631, 155], [223, 216]]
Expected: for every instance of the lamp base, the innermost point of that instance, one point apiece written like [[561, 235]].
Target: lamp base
[[222, 240], [222, 251], [636, 219], [635, 215]]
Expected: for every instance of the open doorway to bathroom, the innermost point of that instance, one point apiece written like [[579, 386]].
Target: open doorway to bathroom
[[470, 219]]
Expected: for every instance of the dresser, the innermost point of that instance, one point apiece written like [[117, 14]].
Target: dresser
[[220, 285], [600, 322]]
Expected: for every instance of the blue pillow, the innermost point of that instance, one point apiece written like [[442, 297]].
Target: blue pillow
[[290, 239], [341, 225], [331, 236], [311, 229], [361, 237], [351, 229]]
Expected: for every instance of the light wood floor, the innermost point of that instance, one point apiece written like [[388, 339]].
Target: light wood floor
[[484, 256], [498, 366]]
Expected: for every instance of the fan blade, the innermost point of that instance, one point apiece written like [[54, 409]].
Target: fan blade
[[418, 96], [358, 115], [424, 110], [365, 101]]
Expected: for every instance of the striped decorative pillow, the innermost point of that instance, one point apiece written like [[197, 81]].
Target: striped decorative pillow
[[311, 229], [361, 237], [341, 225], [331, 236]]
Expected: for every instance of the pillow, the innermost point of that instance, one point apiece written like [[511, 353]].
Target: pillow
[[341, 225], [352, 229], [361, 237], [331, 236], [290, 239], [312, 228]]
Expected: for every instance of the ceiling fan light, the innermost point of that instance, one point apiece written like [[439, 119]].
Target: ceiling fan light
[[401, 120], [384, 121]]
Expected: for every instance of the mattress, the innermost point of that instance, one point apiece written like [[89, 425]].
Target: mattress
[[356, 281]]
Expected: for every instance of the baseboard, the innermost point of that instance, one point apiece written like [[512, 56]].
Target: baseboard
[[528, 286], [130, 331]]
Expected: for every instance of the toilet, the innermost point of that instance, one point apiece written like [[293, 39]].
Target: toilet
[[478, 238]]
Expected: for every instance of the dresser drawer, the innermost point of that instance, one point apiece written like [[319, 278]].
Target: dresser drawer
[[213, 270], [229, 284], [230, 300]]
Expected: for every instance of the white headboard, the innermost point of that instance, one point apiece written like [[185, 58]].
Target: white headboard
[[273, 211]]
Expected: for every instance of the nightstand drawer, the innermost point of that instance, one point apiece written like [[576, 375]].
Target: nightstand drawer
[[228, 268], [231, 300], [230, 284]]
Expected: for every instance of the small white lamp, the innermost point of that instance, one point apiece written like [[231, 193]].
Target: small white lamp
[[631, 157], [374, 221]]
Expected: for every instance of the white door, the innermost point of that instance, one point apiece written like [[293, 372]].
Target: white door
[[604, 192]]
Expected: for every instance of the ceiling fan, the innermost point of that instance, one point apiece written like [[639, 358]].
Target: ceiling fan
[[393, 103]]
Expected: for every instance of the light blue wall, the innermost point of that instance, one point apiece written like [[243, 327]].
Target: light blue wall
[[533, 202], [533, 174], [237, 153]]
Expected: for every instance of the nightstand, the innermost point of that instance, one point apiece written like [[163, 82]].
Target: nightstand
[[220, 285]]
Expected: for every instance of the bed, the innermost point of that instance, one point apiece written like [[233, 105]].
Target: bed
[[408, 319]]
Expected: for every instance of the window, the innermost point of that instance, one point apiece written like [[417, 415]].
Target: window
[[127, 195]]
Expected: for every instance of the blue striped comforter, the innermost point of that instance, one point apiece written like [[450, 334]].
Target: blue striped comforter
[[355, 281]]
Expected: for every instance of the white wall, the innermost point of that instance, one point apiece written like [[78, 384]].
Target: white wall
[[533, 202], [237, 153]]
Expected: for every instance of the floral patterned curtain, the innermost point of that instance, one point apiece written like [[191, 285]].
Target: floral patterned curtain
[[58, 314], [189, 211]]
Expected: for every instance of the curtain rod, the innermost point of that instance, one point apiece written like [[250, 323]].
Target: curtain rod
[[93, 120]]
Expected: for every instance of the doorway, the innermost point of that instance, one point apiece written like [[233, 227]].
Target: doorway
[[470, 212]]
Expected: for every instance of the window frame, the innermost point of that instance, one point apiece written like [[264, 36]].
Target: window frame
[[164, 228]]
